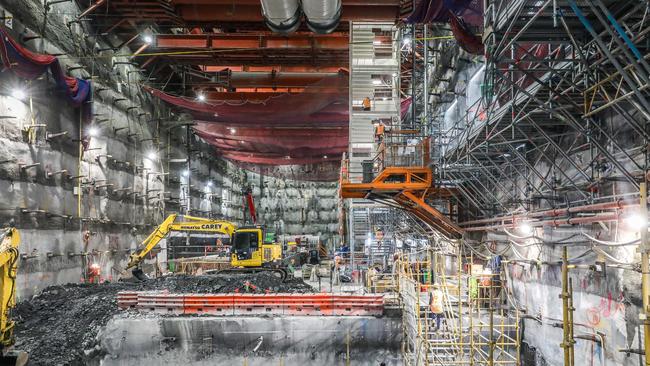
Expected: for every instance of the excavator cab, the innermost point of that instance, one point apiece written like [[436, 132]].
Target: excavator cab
[[245, 248], [253, 251]]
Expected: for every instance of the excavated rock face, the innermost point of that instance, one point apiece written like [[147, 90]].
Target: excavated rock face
[[60, 325]]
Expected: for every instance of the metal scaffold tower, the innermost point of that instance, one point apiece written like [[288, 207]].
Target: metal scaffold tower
[[454, 313], [557, 75]]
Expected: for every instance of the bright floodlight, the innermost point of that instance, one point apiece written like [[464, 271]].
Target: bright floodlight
[[152, 155], [406, 40], [525, 228], [93, 132], [233, 131], [147, 39], [186, 173], [209, 184], [635, 222], [376, 82], [201, 97], [18, 94], [324, 156]]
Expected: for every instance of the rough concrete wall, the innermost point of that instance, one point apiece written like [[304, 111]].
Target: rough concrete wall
[[252, 340], [297, 208], [124, 194], [54, 197], [607, 303]]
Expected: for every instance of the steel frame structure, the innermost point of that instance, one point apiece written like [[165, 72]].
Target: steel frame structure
[[558, 73], [475, 329]]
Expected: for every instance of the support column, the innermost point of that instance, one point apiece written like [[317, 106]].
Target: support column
[[567, 311], [645, 272]]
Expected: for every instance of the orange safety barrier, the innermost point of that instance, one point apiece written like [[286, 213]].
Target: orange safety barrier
[[253, 304]]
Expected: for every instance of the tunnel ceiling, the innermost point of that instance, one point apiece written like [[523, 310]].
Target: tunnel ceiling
[[261, 98]]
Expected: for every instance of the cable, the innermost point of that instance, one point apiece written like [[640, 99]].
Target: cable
[[611, 243], [609, 256]]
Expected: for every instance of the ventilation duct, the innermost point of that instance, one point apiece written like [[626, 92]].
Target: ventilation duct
[[322, 15], [281, 16]]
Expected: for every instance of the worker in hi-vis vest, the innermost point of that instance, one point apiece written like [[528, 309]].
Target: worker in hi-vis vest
[[435, 307], [366, 104]]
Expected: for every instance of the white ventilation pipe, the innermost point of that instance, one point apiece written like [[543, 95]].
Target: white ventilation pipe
[[281, 16], [323, 16]]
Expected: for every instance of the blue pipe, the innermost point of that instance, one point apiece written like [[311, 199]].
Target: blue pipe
[[617, 26]]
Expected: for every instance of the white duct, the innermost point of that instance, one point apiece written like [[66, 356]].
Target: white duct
[[281, 16], [323, 16]]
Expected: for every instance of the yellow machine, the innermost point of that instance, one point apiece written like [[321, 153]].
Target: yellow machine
[[252, 252], [180, 224], [9, 242]]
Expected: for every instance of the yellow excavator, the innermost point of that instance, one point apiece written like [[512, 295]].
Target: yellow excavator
[[250, 252], [176, 223], [9, 242]]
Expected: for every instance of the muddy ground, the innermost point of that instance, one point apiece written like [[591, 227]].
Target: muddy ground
[[60, 325]]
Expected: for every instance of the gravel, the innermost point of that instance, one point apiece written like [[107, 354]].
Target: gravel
[[60, 325]]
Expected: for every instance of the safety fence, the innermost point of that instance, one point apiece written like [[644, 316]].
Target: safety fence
[[252, 304]]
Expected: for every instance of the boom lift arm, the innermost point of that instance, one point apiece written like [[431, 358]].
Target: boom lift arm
[[186, 224]]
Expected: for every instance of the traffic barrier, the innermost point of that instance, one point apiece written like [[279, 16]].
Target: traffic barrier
[[253, 304]]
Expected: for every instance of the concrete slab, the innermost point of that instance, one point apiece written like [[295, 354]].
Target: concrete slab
[[251, 341]]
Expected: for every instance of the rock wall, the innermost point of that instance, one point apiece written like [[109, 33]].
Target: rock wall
[[74, 209]]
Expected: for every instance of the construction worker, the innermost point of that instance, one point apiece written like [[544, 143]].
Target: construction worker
[[94, 273], [366, 104], [435, 307]]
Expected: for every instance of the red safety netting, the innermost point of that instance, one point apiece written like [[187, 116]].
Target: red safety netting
[[321, 104], [288, 130], [466, 39], [29, 65]]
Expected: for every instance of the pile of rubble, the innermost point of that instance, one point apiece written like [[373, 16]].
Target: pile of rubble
[[60, 325]]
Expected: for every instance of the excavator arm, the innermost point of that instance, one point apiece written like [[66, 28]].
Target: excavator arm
[[9, 242], [151, 242], [8, 268], [186, 224]]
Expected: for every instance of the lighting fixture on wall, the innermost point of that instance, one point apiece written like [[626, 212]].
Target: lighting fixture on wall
[[525, 228], [18, 94], [93, 131]]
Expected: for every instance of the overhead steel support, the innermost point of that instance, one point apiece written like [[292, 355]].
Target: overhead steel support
[[250, 41]]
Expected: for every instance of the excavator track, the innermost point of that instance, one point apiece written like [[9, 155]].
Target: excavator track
[[279, 272]]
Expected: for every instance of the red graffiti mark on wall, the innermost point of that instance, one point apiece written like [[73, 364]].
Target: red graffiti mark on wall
[[607, 308], [593, 316]]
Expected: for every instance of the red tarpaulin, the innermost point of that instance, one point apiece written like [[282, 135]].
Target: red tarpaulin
[[285, 129]]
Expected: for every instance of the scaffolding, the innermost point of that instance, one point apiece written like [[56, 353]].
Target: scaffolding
[[474, 325], [557, 74]]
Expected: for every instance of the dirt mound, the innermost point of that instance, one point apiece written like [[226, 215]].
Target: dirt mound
[[60, 325]]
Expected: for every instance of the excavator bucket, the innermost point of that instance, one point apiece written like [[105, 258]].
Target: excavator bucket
[[14, 358], [139, 274]]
